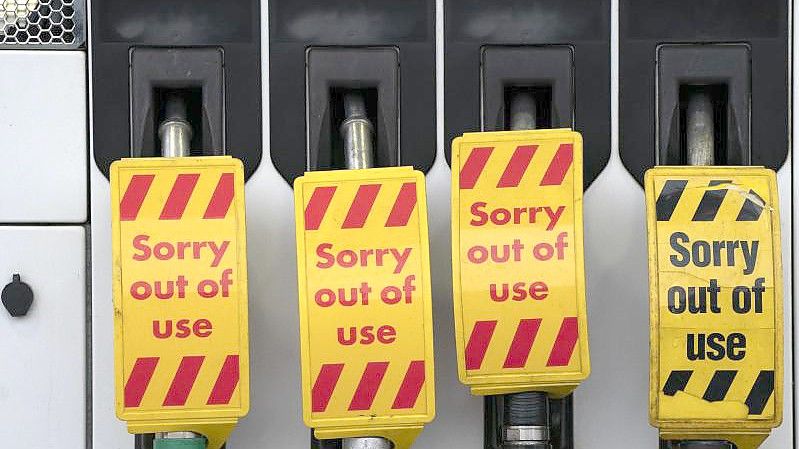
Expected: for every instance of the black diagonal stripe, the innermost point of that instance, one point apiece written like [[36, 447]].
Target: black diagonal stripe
[[719, 385], [711, 202], [752, 208], [668, 199], [676, 382], [761, 392]]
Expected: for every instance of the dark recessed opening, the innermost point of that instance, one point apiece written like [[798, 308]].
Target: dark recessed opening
[[718, 97], [337, 116], [194, 100], [542, 96]]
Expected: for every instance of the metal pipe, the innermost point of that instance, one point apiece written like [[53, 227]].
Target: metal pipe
[[703, 445], [365, 443], [700, 149], [700, 129], [526, 415], [175, 131], [357, 132], [523, 111]]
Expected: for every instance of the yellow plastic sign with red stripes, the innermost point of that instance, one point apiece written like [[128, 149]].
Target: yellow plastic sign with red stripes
[[517, 254], [716, 303], [365, 303], [180, 295]]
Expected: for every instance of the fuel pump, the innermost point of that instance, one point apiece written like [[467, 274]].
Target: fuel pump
[[716, 354], [173, 104], [362, 246], [721, 104], [507, 71]]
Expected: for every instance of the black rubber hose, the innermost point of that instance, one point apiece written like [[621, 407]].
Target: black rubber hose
[[703, 445], [527, 409]]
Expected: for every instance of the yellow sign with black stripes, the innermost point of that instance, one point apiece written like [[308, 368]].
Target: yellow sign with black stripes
[[715, 303]]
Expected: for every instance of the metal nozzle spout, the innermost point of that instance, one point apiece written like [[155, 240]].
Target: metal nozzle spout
[[357, 132], [175, 131]]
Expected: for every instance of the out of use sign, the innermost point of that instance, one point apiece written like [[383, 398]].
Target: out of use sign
[[365, 305], [180, 294], [716, 300], [517, 251]]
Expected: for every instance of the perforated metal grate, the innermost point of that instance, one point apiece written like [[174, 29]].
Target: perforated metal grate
[[50, 23]]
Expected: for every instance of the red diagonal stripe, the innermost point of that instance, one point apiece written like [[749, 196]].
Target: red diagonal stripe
[[559, 166], [474, 166], [139, 378], [403, 207], [361, 206], [325, 384], [179, 196], [183, 381], [517, 166], [226, 382], [564, 343], [134, 196], [221, 199], [478, 343], [317, 207], [367, 388], [522, 343], [411, 386]]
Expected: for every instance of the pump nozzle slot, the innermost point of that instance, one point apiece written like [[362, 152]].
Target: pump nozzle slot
[[346, 87], [543, 74], [703, 115], [177, 85]]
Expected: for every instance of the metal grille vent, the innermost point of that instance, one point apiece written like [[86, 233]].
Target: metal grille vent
[[46, 23]]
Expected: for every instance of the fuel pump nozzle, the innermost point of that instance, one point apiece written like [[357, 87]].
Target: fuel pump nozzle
[[175, 133], [526, 418], [700, 129], [357, 133], [700, 149]]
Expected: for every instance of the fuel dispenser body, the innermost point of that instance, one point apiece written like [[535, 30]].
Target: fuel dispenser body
[[716, 299], [87, 83], [177, 113]]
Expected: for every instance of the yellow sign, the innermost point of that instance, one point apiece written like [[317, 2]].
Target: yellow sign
[[517, 254], [716, 302], [180, 294], [365, 304]]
